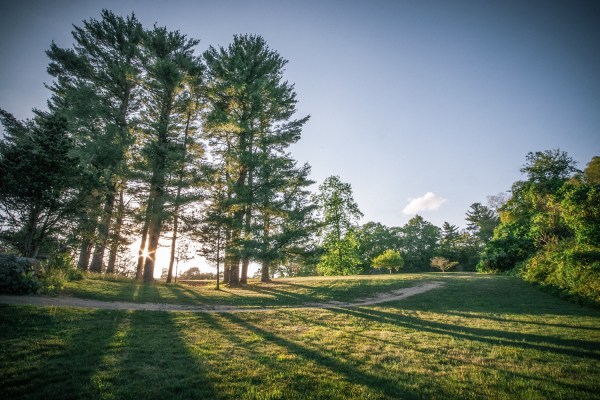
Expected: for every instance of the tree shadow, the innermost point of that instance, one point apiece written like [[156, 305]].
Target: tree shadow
[[349, 369], [577, 348], [505, 319], [155, 362], [183, 295], [63, 355], [281, 296]]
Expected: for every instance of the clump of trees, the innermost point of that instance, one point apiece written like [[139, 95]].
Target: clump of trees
[[549, 230], [144, 138]]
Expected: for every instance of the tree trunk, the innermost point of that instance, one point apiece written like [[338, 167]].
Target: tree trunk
[[85, 253], [103, 229], [265, 276], [178, 198], [173, 244], [157, 198], [139, 272], [116, 239]]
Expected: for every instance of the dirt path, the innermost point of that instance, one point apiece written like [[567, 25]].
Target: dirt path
[[120, 305]]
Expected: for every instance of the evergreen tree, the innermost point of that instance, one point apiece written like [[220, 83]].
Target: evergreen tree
[[248, 122], [96, 89], [39, 177], [168, 65]]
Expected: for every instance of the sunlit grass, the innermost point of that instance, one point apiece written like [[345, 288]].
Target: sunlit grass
[[282, 292], [478, 337]]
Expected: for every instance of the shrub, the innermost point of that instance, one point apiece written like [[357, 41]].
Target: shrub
[[18, 275], [503, 254], [57, 271], [443, 264], [572, 270]]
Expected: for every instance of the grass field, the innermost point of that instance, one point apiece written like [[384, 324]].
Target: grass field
[[477, 337]]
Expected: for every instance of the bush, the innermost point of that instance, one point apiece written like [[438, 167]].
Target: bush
[[19, 275], [57, 271], [572, 270], [503, 254]]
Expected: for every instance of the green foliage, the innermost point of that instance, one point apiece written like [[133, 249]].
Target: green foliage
[[341, 257], [502, 254], [57, 271], [339, 216], [390, 260], [481, 220], [373, 239], [573, 270], [550, 228], [194, 273], [38, 181], [581, 211], [419, 240], [592, 171], [18, 275]]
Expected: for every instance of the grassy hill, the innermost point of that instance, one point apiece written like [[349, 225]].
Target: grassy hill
[[477, 337]]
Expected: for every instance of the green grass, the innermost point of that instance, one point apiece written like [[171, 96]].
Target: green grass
[[283, 292], [478, 337]]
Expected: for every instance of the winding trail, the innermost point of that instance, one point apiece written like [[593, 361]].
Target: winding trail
[[398, 294]]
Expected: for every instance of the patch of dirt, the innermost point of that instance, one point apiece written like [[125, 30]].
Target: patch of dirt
[[120, 305]]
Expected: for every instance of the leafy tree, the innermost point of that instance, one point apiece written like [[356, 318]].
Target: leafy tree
[[443, 264], [580, 209], [548, 170], [419, 240], [339, 216], [390, 260], [38, 179], [592, 171], [341, 257], [373, 239]]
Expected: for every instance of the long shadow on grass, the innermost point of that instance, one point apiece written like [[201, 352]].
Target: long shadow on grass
[[579, 348], [182, 296], [503, 319], [156, 363], [381, 385], [283, 297], [62, 349]]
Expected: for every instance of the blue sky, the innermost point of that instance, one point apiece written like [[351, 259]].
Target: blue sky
[[434, 101]]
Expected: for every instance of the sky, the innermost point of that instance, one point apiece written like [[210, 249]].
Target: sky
[[422, 106]]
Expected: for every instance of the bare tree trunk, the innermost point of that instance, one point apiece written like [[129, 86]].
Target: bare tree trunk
[[114, 246], [139, 272], [265, 276], [157, 197], [103, 229], [85, 253], [178, 198]]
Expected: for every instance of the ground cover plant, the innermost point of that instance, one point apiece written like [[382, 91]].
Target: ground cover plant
[[479, 336]]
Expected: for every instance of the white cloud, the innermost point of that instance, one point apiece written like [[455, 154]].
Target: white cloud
[[428, 202]]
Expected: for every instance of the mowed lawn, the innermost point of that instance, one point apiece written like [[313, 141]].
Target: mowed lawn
[[479, 336]]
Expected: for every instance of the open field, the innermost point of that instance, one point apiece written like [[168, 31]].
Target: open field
[[477, 337]]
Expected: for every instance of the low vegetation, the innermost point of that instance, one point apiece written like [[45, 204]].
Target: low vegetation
[[480, 336]]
